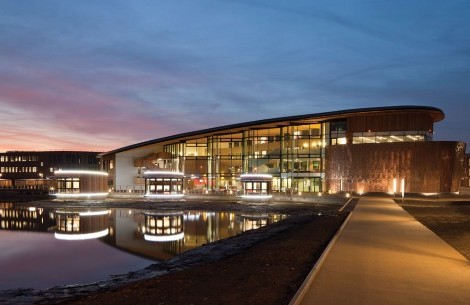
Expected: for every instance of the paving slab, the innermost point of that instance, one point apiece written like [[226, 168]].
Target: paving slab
[[384, 256]]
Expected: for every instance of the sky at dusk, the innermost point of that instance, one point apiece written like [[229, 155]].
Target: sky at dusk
[[98, 75]]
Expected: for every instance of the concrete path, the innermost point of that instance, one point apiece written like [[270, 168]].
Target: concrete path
[[384, 256]]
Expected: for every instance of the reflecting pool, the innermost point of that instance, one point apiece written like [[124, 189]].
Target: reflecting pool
[[42, 248]]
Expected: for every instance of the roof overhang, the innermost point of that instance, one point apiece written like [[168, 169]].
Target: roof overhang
[[436, 114]]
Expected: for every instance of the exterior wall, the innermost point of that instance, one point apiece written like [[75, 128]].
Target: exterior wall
[[43, 184], [466, 177], [16, 165], [126, 173], [427, 167], [89, 183], [108, 164], [412, 120], [93, 184]]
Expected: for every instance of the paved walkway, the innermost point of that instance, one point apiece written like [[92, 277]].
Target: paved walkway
[[384, 256]]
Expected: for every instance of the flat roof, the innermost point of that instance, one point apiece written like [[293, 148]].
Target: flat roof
[[436, 114]]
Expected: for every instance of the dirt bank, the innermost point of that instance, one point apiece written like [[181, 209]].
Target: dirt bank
[[269, 272], [449, 219], [259, 266]]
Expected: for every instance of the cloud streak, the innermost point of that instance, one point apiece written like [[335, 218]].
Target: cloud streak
[[100, 75]]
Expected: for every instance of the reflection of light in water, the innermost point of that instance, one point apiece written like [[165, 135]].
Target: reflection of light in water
[[163, 238], [82, 236], [163, 226], [165, 196], [251, 222], [254, 197], [86, 213], [192, 217], [93, 213], [81, 195], [21, 218], [80, 225]]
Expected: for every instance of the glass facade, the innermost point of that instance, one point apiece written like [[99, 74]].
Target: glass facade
[[163, 185], [293, 155]]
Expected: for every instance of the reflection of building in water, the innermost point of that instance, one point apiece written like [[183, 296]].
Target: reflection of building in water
[[80, 184], [256, 221], [5, 183], [160, 235], [79, 225], [24, 218], [163, 184], [164, 226]]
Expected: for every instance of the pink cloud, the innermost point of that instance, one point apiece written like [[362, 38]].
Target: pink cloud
[[71, 111]]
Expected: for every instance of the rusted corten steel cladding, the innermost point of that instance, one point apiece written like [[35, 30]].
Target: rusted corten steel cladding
[[426, 167]]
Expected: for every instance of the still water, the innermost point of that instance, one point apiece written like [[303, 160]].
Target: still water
[[42, 248]]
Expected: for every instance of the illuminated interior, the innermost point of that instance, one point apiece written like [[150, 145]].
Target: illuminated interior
[[163, 184], [73, 184], [316, 153]]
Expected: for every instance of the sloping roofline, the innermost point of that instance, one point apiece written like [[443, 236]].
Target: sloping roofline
[[436, 113]]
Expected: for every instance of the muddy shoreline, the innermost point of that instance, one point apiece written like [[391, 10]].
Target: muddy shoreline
[[263, 266], [300, 212]]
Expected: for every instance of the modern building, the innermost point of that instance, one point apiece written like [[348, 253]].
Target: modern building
[[83, 184], [386, 149], [30, 169]]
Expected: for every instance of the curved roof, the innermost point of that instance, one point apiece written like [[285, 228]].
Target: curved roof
[[436, 114]]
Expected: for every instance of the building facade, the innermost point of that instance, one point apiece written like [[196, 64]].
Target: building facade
[[360, 150], [31, 169]]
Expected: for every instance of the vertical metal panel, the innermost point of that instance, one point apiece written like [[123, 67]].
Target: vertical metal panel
[[427, 167]]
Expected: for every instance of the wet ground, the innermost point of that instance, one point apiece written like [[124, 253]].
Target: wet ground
[[449, 219], [263, 266], [320, 215]]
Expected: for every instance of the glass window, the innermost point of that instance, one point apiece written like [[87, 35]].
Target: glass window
[[68, 185]]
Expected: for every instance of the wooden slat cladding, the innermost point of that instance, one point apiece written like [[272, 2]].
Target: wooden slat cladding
[[88, 183], [427, 167], [93, 184], [390, 122]]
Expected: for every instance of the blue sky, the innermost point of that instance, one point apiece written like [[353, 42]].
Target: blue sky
[[103, 74]]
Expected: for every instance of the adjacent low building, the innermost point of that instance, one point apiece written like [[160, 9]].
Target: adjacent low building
[[386, 149], [31, 169]]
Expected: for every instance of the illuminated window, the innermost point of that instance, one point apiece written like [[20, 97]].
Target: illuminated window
[[68, 185], [391, 137]]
